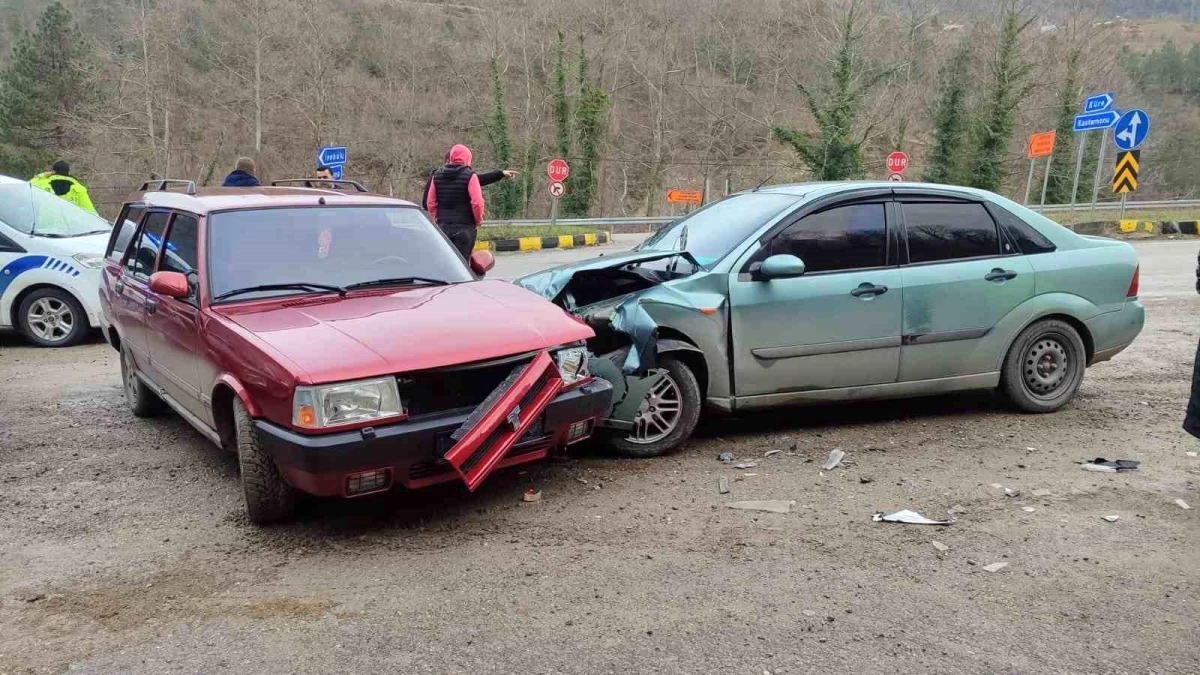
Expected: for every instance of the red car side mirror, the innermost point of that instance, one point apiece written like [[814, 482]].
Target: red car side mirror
[[482, 262], [170, 284]]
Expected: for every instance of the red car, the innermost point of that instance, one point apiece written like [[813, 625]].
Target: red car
[[337, 342]]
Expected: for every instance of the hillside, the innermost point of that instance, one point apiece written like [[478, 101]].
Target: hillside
[[685, 91]]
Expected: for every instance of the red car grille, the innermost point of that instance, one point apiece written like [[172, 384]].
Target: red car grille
[[488, 434]]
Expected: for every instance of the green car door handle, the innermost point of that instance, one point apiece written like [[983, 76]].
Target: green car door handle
[[1000, 275], [869, 289]]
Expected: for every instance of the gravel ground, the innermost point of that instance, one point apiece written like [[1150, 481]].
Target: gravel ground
[[123, 544]]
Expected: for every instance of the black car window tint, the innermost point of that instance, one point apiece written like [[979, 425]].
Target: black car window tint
[[1027, 239], [141, 261], [126, 225], [180, 254], [942, 231], [842, 238]]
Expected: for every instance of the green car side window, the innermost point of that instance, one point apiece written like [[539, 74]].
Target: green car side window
[[849, 237]]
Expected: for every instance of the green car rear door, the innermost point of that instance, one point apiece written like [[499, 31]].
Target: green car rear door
[[837, 325], [962, 278]]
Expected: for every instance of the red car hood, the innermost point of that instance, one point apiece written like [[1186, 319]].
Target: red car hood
[[331, 339]]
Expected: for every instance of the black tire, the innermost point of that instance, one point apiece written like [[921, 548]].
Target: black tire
[[269, 498], [142, 401], [1044, 367], [691, 402], [52, 317]]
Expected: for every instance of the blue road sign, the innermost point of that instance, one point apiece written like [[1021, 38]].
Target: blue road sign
[[336, 170], [331, 156], [1093, 121], [1098, 103], [1131, 129]]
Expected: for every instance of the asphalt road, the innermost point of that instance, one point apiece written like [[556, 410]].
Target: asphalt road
[[510, 266], [123, 544]]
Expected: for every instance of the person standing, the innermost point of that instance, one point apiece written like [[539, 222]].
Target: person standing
[[243, 174], [485, 179], [454, 198], [1191, 423], [59, 181]]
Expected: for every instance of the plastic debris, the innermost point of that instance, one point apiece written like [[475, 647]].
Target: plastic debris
[[1182, 504], [1193, 453], [770, 505], [908, 518], [745, 465], [1041, 493], [725, 456], [1098, 468], [1113, 465], [723, 485], [940, 546], [1028, 509], [772, 452], [1111, 519], [532, 495], [995, 567], [1012, 492], [835, 457]]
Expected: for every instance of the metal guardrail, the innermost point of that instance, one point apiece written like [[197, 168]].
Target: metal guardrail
[[663, 220]]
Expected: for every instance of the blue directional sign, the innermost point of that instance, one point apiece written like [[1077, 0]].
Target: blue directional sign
[[1094, 121], [1098, 103], [336, 170], [332, 156], [1131, 129]]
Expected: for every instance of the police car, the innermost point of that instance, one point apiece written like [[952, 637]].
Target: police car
[[51, 252]]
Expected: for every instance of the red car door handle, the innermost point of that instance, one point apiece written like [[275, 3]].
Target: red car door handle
[[151, 305], [118, 286]]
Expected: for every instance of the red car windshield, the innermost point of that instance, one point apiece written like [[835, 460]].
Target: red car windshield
[[327, 247]]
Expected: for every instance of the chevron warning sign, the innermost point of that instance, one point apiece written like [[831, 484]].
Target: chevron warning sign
[[1125, 173]]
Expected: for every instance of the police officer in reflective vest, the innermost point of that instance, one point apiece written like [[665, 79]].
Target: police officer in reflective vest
[[60, 182]]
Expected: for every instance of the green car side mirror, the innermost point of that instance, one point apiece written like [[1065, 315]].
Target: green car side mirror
[[781, 267]]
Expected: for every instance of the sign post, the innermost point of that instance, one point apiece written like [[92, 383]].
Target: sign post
[[1097, 115], [1040, 145], [557, 171]]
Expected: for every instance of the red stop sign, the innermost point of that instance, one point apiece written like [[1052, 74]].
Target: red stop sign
[[558, 170], [897, 162]]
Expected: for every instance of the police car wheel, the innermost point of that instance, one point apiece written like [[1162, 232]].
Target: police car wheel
[[51, 317]]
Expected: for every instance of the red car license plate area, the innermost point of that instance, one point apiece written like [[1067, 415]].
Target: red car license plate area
[[481, 446]]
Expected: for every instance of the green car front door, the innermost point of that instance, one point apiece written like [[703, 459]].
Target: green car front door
[[837, 325], [962, 279]]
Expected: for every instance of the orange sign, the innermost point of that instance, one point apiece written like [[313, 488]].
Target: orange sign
[[685, 196], [1041, 145]]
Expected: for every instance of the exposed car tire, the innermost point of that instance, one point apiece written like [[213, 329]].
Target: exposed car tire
[[1044, 367], [269, 498], [52, 317], [655, 432], [142, 401]]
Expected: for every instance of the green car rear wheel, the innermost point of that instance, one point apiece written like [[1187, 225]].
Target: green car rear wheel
[[1044, 367]]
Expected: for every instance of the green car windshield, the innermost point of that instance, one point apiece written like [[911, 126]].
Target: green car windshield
[[713, 231]]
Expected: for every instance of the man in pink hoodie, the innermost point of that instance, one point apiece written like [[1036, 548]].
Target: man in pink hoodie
[[455, 200]]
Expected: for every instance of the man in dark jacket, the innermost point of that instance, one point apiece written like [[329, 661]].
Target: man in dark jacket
[[243, 174], [454, 197], [1191, 423]]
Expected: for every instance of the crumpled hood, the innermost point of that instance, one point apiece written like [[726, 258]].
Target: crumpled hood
[[330, 339], [461, 155]]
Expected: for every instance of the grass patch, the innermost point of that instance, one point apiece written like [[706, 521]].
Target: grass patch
[[488, 233], [1082, 215]]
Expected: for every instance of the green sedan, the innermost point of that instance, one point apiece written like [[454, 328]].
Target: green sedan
[[828, 292]]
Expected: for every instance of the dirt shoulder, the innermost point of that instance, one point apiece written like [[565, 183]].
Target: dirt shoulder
[[125, 547]]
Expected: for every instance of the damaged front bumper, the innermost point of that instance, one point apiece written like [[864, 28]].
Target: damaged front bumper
[[425, 451]]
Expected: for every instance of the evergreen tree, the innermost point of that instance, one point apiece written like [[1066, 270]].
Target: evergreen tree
[[507, 201], [1087, 174], [1010, 86], [42, 88], [562, 109], [1058, 189], [590, 116], [944, 163], [835, 154]]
